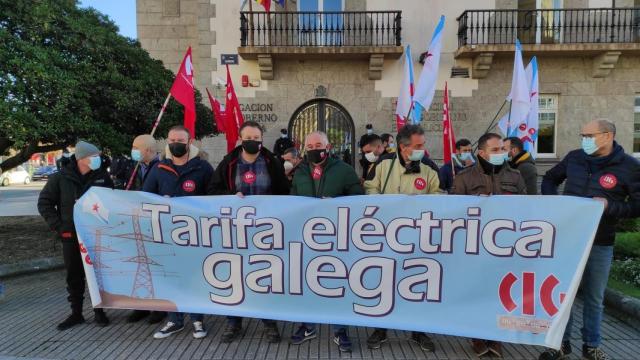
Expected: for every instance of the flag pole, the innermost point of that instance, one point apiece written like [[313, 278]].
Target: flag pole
[[251, 22], [451, 144], [153, 131], [509, 119], [493, 121]]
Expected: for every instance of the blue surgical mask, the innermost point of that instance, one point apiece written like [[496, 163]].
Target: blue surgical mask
[[95, 162], [392, 145], [466, 156], [136, 155], [589, 145], [497, 159], [416, 155]]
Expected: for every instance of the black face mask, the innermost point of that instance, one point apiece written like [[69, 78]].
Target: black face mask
[[251, 146], [316, 156], [178, 149]]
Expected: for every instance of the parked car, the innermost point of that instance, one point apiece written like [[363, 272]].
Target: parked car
[[17, 175], [43, 172]]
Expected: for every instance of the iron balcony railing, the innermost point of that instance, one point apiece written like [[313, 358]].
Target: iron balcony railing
[[552, 26], [330, 28]]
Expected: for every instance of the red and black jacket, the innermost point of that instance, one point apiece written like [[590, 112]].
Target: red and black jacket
[[223, 181]]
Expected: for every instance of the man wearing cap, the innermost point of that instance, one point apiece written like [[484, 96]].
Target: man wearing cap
[[55, 204]]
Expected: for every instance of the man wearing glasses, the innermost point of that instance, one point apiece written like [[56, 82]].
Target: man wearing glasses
[[600, 170]]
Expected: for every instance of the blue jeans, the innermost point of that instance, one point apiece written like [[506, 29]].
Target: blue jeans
[[594, 282], [178, 317], [334, 327]]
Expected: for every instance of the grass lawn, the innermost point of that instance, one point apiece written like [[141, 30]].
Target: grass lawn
[[627, 246]]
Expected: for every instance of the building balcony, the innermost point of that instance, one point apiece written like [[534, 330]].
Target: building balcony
[[371, 35], [602, 34]]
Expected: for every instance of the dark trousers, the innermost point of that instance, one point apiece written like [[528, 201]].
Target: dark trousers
[[75, 275]]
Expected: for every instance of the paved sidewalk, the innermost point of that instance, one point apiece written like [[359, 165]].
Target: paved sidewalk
[[35, 303]]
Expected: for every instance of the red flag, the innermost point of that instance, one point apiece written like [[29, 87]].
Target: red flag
[[233, 113], [218, 114], [448, 137], [266, 4], [184, 93]]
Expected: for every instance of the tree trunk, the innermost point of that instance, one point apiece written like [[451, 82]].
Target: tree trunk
[[25, 154]]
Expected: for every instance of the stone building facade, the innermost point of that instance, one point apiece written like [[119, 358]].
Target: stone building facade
[[291, 82]]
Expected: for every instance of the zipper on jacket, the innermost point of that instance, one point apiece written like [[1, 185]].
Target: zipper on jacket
[[585, 189]]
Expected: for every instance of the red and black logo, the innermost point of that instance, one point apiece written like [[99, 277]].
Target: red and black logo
[[608, 181], [189, 186]]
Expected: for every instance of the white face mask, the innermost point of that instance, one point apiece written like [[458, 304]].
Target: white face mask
[[371, 157], [288, 166], [416, 155]]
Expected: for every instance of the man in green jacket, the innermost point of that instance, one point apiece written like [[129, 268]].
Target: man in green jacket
[[322, 176]]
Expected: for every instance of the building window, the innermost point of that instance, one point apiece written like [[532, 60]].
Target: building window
[[636, 126], [547, 117]]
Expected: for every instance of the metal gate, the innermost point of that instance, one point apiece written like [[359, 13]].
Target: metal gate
[[330, 117]]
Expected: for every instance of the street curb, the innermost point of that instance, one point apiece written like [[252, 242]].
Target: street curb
[[31, 266], [625, 304]]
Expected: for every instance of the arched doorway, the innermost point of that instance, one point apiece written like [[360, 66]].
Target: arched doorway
[[330, 117]]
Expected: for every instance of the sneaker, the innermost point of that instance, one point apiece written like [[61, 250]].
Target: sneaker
[[271, 333], [342, 340], [168, 330], [593, 353], [495, 347], [137, 315], [198, 330], [71, 321], [231, 331], [100, 318], [303, 334], [479, 347], [156, 317], [376, 339], [553, 354], [423, 340]]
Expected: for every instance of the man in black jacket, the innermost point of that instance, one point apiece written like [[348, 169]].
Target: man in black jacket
[[282, 144], [55, 204], [182, 173], [250, 169], [523, 161], [602, 171]]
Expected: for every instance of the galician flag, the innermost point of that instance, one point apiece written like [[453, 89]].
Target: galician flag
[[528, 131], [184, 93], [519, 97], [406, 91], [426, 87]]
